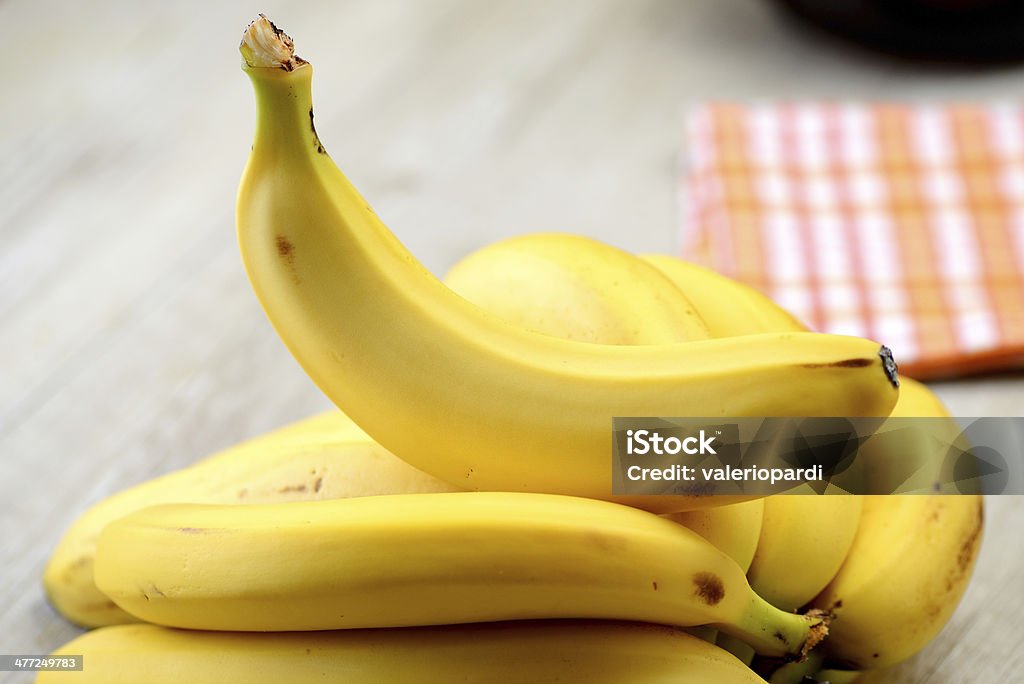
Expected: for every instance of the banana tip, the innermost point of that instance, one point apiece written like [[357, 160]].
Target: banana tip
[[889, 365], [268, 47]]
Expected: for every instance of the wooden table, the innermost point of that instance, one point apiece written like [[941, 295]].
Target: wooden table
[[132, 344]]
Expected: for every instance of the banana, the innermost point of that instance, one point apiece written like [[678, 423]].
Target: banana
[[907, 569], [323, 457], [428, 559], [497, 653], [461, 394], [576, 288], [727, 307], [804, 539], [733, 529]]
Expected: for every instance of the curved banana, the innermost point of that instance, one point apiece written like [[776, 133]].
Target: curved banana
[[461, 394], [576, 288], [727, 306], [909, 565], [323, 457], [912, 558], [804, 539], [497, 653], [428, 559]]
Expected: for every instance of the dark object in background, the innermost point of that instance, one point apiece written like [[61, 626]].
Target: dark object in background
[[965, 30]]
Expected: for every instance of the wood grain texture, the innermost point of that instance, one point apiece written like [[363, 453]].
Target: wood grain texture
[[132, 344]]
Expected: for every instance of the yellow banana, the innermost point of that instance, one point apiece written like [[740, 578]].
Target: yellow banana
[[459, 393], [728, 307], [576, 288], [497, 653], [804, 539], [909, 565], [906, 572], [323, 457], [428, 559], [733, 529]]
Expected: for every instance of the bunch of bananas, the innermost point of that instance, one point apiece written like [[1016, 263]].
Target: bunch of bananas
[[456, 523]]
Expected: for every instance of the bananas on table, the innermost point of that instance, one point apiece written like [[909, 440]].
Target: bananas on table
[[456, 522]]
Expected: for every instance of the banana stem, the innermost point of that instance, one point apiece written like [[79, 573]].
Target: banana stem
[[792, 637]]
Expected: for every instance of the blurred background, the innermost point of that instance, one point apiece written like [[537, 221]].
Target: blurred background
[[132, 344]]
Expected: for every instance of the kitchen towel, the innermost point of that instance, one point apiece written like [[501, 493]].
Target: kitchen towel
[[900, 223]]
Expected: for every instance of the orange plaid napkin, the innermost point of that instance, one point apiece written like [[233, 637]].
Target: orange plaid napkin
[[903, 224]]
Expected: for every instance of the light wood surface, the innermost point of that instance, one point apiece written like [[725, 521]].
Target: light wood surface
[[131, 342]]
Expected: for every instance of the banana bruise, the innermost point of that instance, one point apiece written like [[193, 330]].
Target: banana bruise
[[428, 559], [498, 653], [323, 457], [459, 393]]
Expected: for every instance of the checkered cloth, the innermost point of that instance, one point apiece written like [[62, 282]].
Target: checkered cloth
[[903, 224]]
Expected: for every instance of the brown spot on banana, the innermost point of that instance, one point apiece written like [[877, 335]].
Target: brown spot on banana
[[845, 363], [969, 547], [286, 250], [888, 365], [316, 138], [152, 591], [710, 588]]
